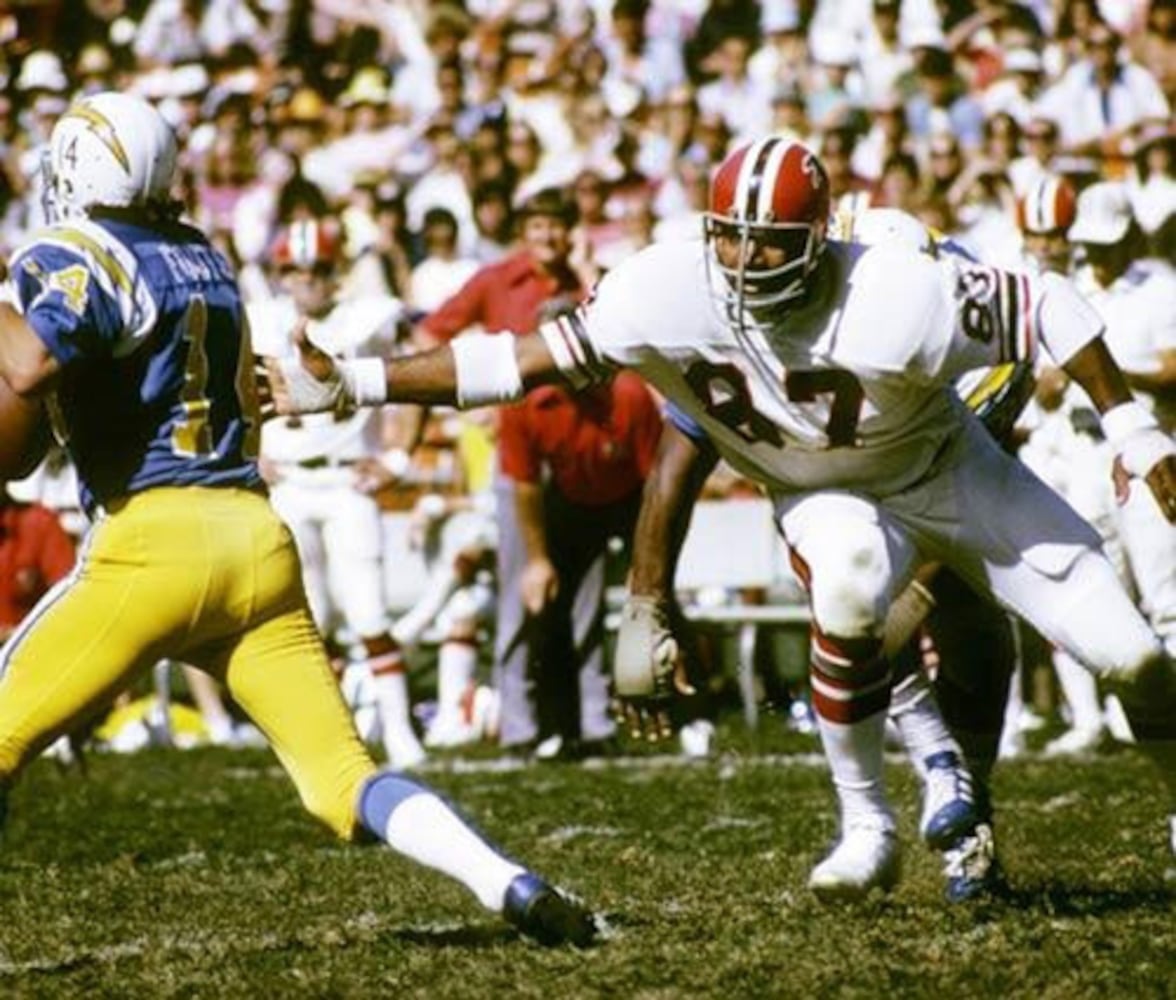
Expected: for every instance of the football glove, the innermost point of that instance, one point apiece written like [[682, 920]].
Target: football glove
[[648, 669]]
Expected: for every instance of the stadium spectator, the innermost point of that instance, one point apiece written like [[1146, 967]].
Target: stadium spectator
[[578, 463], [442, 270], [1101, 98], [35, 552], [510, 296]]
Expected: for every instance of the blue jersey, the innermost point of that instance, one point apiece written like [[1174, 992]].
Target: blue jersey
[[148, 326]]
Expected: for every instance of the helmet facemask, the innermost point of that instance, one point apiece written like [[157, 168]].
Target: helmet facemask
[[762, 263], [765, 231]]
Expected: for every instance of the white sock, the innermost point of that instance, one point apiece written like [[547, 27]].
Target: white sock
[[854, 752], [1081, 691], [427, 830], [456, 664], [915, 712], [391, 690]]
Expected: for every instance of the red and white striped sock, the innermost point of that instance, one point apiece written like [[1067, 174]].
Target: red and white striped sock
[[851, 694]]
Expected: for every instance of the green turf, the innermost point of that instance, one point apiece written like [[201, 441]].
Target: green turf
[[197, 875]]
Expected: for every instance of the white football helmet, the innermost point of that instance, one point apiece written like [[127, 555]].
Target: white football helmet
[[109, 149]]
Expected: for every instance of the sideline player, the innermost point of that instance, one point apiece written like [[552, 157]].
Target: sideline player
[[312, 464], [823, 371], [136, 322]]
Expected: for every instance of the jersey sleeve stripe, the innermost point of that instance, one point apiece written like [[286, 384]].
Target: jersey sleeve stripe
[[574, 354], [1028, 320], [110, 265]]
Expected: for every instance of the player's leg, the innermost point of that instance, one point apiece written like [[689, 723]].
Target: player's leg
[[519, 722], [977, 654], [352, 539], [301, 508], [1149, 544], [128, 602], [949, 807], [461, 706], [1046, 564], [852, 558], [279, 673]]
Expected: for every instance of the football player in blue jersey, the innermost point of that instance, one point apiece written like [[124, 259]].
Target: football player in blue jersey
[[134, 323]]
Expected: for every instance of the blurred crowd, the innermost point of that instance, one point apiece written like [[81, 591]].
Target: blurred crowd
[[384, 109], [425, 131]]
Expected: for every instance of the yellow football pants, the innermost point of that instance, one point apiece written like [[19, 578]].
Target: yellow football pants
[[207, 576]]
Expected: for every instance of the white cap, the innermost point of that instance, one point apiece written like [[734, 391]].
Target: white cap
[[832, 49], [925, 36], [42, 71], [1022, 61], [780, 16], [1104, 214]]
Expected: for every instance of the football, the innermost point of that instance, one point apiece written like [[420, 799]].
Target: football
[[24, 434]]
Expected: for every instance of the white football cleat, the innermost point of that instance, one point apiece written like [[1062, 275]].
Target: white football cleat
[[1075, 741], [866, 857], [695, 738], [404, 752]]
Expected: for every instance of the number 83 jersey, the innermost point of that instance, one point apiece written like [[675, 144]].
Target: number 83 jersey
[[148, 326], [849, 389]]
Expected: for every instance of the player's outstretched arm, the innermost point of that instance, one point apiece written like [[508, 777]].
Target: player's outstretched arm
[[474, 370], [648, 669], [1142, 448]]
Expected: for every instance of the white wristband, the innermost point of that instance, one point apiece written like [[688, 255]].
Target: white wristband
[[486, 368], [1120, 422], [365, 381], [1136, 437], [396, 461]]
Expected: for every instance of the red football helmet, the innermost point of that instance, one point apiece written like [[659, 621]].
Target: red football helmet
[[308, 244], [1049, 206], [769, 211]]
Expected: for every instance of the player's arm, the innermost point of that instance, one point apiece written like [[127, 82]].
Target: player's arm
[[1141, 446], [648, 669], [478, 369], [26, 364]]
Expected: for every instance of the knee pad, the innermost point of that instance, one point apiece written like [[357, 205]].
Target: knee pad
[[852, 586]]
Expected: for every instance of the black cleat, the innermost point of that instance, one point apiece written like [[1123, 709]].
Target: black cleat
[[546, 915]]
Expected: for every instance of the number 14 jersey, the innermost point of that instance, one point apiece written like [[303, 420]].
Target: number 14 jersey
[[147, 323]]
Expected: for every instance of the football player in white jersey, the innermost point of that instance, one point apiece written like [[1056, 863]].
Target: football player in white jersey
[[824, 371], [1136, 298], [313, 461], [1066, 448]]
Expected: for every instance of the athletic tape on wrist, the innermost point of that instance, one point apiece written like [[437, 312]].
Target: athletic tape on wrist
[[366, 380], [487, 370], [1121, 421]]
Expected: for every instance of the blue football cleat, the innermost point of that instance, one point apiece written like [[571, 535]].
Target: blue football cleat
[[949, 803], [972, 868], [546, 915]]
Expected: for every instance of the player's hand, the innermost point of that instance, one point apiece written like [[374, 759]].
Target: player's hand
[[648, 671], [310, 383], [539, 584], [1160, 479]]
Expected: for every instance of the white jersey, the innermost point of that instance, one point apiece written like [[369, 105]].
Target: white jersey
[[1140, 312], [359, 327], [852, 389]]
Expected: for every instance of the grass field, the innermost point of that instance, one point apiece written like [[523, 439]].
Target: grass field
[[197, 875]]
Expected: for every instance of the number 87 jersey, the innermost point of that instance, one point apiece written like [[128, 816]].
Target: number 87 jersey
[[847, 387], [148, 327]]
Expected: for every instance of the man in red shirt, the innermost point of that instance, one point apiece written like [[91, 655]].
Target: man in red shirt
[[512, 296], [578, 464], [35, 552]]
